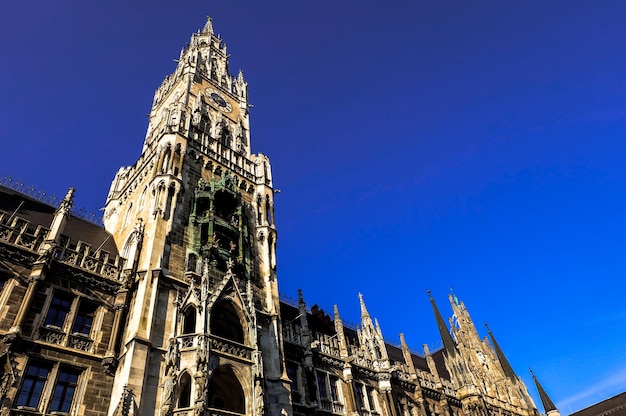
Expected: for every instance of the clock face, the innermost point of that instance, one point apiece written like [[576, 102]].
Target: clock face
[[222, 103]]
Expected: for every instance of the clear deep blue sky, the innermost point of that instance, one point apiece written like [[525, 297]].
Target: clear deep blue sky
[[478, 145]]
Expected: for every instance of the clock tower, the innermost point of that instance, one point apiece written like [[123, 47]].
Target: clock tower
[[194, 217]]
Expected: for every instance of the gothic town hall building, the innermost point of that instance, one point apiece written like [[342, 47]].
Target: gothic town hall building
[[172, 309]]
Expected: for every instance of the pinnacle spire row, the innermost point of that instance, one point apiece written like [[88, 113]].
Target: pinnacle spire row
[[506, 366], [448, 342], [548, 405], [208, 27], [364, 312]]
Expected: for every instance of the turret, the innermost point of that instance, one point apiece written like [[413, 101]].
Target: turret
[[371, 337]]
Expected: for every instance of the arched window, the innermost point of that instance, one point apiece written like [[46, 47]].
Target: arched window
[[225, 322], [166, 159], [129, 211], [184, 397], [189, 321], [192, 262], [225, 391], [268, 212], [142, 199]]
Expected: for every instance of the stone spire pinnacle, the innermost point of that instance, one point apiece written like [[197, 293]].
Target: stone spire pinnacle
[[508, 370], [343, 349], [208, 27], [548, 406], [61, 215], [364, 312], [67, 202], [448, 342]]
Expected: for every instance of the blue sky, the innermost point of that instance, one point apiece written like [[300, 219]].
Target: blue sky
[[418, 145]]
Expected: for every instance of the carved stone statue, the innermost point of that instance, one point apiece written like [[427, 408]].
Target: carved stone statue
[[169, 386], [198, 110], [258, 364], [216, 126], [173, 354], [258, 398]]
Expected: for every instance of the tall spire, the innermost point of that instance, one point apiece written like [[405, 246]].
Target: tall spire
[[548, 406], [508, 370], [448, 342], [364, 312], [208, 27], [61, 215]]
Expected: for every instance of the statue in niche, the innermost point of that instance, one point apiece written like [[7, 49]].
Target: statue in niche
[[216, 126], [257, 368], [173, 354], [215, 242], [240, 140], [258, 398], [197, 111], [207, 64], [169, 387]]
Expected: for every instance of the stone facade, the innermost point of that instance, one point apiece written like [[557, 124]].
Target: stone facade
[[173, 307]]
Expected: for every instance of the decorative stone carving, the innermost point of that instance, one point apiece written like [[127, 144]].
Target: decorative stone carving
[[169, 388], [51, 335], [80, 343], [259, 404], [110, 365]]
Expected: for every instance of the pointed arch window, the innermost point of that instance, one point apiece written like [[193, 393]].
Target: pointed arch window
[[142, 199], [225, 391], [184, 397], [268, 210], [129, 211], [189, 321], [225, 322]]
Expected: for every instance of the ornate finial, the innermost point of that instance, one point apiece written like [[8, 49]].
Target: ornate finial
[[455, 300], [68, 201], [364, 312], [208, 27], [487, 326]]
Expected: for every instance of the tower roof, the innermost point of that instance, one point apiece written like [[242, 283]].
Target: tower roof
[[545, 400], [208, 27], [448, 342], [508, 370]]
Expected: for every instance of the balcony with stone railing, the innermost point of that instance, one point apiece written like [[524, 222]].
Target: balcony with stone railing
[[190, 411], [327, 344], [230, 158], [292, 333], [54, 335], [218, 344], [80, 254], [222, 412], [20, 232], [332, 406], [186, 411]]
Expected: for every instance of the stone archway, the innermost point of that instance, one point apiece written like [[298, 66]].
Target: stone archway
[[225, 391]]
